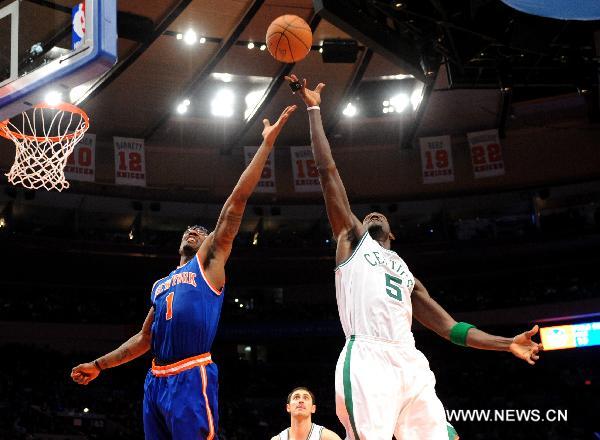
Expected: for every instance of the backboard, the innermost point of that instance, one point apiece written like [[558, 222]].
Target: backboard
[[52, 46]]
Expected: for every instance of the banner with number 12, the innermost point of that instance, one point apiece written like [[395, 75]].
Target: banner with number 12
[[130, 161]]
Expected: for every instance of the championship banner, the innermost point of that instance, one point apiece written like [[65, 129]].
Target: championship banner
[[130, 161], [436, 159], [81, 163], [486, 153], [266, 184], [306, 175]]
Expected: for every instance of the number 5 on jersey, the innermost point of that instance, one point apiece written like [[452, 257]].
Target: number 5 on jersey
[[169, 300], [392, 287]]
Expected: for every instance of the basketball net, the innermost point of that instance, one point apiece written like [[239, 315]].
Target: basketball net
[[44, 136]]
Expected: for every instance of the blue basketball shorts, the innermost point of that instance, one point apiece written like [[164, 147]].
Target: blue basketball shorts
[[180, 400]]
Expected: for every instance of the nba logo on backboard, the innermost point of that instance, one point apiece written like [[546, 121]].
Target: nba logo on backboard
[[78, 34]]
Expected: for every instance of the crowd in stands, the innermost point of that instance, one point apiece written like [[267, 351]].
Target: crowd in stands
[[315, 302]]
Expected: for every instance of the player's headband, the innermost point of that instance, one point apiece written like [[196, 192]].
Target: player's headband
[[200, 229]]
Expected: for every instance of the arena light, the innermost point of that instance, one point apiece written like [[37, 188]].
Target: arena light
[[252, 99], [263, 46], [182, 107], [190, 37], [225, 77], [251, 45], [53, 98], [2, 222], [202, 40], [350, 110], [400, 102], [179, 36], [416, 96], [222, 103], [77, 92]]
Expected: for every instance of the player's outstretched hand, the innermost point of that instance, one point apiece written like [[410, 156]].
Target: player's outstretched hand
[[84, 373], [310, 97], [270, 132], [524, 348]]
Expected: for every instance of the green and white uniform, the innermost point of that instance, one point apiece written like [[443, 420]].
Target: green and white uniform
[[314, 434], [383, 384]]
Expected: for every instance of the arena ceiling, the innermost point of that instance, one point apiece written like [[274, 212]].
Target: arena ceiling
[[469, 58], [481, 45]]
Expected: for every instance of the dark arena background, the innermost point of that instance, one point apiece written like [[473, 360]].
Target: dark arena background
[[504, 234]]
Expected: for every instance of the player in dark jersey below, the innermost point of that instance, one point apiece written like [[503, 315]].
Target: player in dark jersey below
[[301, 406], [180, 392], [383, 384]]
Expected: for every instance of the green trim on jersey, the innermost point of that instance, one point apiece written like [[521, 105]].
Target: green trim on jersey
[[348, 386], [353, 252], [452, 434]]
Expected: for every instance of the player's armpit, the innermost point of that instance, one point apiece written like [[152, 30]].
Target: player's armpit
[[146, 331]]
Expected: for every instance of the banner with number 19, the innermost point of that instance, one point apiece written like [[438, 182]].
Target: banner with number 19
[[436, 159]]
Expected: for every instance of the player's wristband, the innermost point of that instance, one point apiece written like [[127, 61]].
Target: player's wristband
[[313, 107], [97, 365], [458, 333]]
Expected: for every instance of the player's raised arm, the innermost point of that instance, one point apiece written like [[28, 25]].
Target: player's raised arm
[[218, 244], [343, 222], [433, 316], [133, 348]]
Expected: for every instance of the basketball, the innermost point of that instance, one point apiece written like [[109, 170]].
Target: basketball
[[289, 38]]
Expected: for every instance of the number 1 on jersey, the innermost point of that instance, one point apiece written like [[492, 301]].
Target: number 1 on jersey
[[169, 300]]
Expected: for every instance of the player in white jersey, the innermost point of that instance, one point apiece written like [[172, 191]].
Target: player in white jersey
[[384, 386], [301, 406]]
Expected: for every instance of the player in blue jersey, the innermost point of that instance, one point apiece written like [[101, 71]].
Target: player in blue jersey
[[180, 392]]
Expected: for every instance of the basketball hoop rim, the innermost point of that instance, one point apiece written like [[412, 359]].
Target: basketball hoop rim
[[7, 133]]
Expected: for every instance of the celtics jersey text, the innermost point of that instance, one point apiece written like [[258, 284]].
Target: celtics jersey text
[[186, 313], [373, 289]]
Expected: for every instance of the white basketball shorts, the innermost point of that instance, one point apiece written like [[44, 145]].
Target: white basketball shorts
[[386, 388]]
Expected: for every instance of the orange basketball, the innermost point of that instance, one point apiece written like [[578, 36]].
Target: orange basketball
[[289, 38]]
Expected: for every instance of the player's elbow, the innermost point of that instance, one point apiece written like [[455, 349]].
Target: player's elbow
[[326, 170], [144, 342], [236, 204]]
